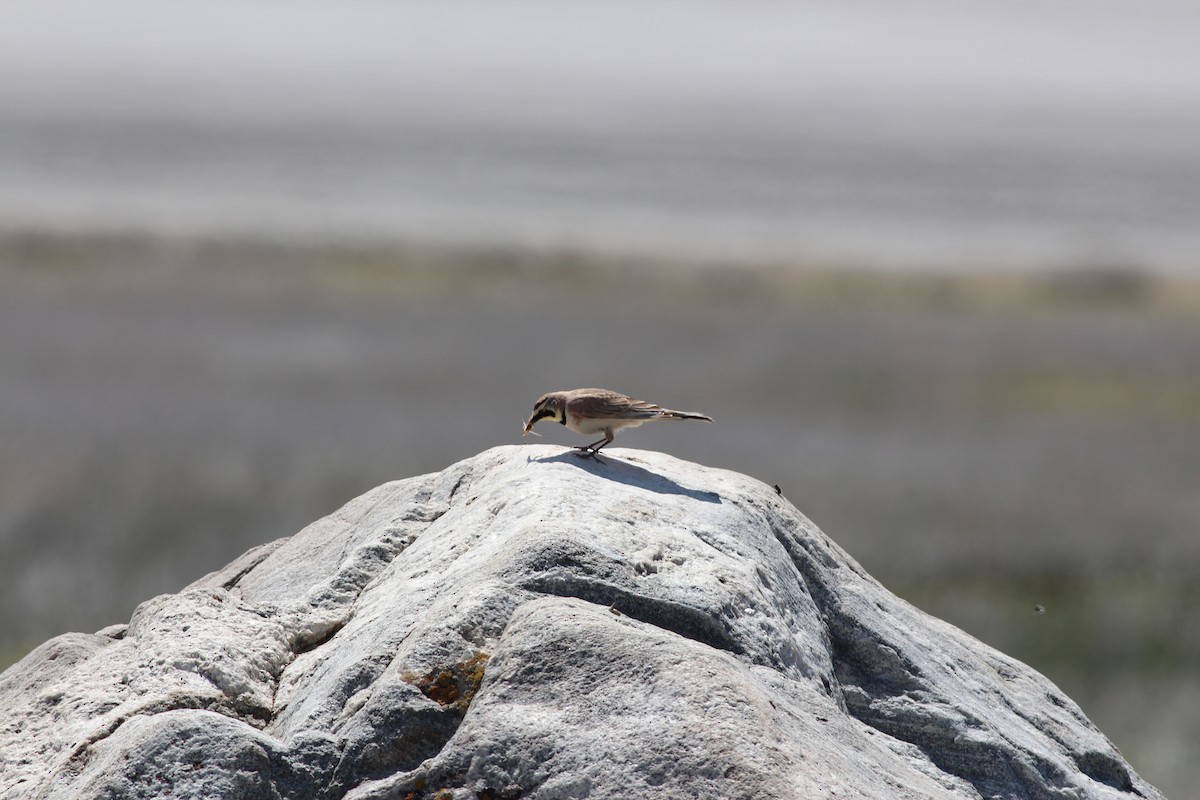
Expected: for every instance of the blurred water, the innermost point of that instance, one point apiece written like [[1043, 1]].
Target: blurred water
[[929, 134]]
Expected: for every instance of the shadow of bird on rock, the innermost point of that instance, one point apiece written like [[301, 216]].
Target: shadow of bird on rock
[[615, 469]]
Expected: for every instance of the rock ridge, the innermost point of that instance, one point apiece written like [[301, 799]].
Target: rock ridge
[[531, 624]]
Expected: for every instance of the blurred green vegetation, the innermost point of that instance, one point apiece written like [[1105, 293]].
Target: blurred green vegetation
[[986, 444], [369, 271], [1066, 624]]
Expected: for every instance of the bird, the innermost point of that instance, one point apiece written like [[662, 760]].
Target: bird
[[593, 411]]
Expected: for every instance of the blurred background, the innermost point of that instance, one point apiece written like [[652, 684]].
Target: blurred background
[[934, 267]]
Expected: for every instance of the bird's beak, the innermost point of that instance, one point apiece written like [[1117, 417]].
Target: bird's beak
[[529, 426]]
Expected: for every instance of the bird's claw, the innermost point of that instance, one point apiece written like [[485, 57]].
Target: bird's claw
[[587, 451]]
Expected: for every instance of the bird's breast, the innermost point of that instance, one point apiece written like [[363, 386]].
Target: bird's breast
[[585, 425]]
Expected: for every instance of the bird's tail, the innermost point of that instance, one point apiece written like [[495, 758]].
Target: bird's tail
[[669, 414]]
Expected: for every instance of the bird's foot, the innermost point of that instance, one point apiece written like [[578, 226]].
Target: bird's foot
[[587, 451]]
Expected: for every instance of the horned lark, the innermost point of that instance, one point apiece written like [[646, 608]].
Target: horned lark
[[593, 411]]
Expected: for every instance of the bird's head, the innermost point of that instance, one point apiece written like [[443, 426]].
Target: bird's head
[[550, 406]]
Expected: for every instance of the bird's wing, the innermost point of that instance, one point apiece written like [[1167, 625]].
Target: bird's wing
[[613, 405]]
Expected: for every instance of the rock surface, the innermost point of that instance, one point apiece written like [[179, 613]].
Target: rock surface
[[527, 623]]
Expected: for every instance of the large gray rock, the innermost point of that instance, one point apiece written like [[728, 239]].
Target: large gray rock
[[531, 624]]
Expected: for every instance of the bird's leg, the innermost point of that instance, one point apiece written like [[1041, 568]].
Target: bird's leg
[[593, 450], [589, 450]]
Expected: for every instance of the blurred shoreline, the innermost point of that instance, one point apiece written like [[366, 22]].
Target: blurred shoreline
[[238, 263], [998, 137]]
